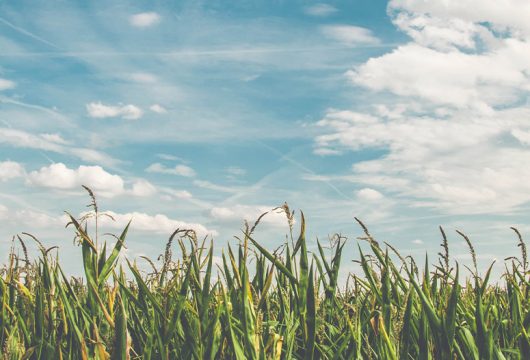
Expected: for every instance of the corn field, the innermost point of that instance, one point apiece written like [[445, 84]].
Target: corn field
[[259, 304]]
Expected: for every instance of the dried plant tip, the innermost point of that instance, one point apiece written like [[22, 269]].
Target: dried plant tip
[[471, 250], [522, 245]]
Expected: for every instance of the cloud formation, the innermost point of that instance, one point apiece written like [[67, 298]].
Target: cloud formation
[[158, 223], [60, 177], [101, 111], [10, 170], [52, 143], [349, 34], [250, 213], [454, 126], [181, 170], [145, 19], [6, 84], [320, 10]]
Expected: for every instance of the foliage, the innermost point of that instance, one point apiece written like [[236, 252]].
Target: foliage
[[257, 304]]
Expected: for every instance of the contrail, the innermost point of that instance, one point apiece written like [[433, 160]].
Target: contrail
[[195, 53], [27, 33], [305, 169]]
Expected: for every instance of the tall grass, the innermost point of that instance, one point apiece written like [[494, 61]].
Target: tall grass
[[259, 304]]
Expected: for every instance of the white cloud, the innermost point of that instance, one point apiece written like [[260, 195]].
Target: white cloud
[[54, 138], [522, 136], [452, 112], [23, 139], [181, 170], [459, 79], [142, 77], [417, 242], [101, 111], [179, 194], [6, 84], [369, 194], [428, 159], [59, 176], [211, 186], [158, 223], [143, 188], [159, 109], [320, 9], [349, 34], [250, 213], [10, 170], [170, 157], [235, 171], [31, 218], [144, 19], [509, 15]]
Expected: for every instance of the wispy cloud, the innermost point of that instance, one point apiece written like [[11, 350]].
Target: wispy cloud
[[27, 33], [101, 111], [159, 109], [320, 9], [23, 139], [143, 77], [350, 35], [215, 187], [181, 170]]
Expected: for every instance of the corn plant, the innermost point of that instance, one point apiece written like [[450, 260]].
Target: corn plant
[[258, 303]]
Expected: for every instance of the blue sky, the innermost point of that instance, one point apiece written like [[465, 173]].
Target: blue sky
[[407, 114]]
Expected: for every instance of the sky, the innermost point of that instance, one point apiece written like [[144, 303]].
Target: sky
[[202, 114]]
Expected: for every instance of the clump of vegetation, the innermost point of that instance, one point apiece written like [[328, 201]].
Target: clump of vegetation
[[257, 304]]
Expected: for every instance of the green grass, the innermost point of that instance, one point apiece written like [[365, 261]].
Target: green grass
[[259, 304]]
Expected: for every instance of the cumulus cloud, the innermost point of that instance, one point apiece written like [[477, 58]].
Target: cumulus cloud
[[6, 84], [30, 217], [143, 188], [59, 176], [349, 34], [428, 159], [10, 170], [320, 10], [511, 16], [458, 79], [369, 194], [453, 125], [250, 213], [181, 170], [158, 223], [144, 19], [101, 111]]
